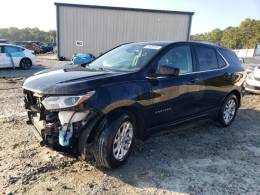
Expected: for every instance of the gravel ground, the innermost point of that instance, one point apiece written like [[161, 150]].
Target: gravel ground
[[200, 158], [41, 65]]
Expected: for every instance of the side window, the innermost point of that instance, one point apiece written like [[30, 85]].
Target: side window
[[178, 57], [221, 62], [207, 59], [1, 49], [10, 49]]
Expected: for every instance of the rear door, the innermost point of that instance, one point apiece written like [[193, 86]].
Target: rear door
[[212, 76]]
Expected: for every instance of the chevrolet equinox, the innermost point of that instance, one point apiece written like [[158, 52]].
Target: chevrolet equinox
[[130, 92]]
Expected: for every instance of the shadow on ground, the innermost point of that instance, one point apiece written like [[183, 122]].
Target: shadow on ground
[[201, 158]]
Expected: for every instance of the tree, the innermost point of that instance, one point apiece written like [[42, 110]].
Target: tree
[[232, 38], [247, 35], [27, 34], [215, 35]]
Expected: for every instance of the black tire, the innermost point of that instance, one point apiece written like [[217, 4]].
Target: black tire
[[25, 63], [221, 115], [104, 142]]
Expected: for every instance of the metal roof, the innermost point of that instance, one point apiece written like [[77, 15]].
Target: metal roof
[[123, 8], [165, 43]]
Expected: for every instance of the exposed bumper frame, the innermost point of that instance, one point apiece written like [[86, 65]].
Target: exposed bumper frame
[[92, 121]]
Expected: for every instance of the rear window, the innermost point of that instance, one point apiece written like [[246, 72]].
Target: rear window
[[207, 59], [230, 56]]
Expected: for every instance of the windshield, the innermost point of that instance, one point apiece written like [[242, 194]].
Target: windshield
[[130, 57]]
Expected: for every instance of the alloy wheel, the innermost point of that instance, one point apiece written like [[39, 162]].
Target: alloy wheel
[[26, 63], [123, 140], [229, 111]]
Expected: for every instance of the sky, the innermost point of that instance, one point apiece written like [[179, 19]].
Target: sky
[[209, 14]]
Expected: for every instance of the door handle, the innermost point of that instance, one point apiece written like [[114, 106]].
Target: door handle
[[195, 80], [226, 74]]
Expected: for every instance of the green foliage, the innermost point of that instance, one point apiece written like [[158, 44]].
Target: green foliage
[[27, 34], [247, 35]]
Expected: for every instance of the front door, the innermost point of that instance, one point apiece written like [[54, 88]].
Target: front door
[[174, 97]]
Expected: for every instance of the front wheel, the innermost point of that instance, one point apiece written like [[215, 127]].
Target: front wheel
[[114, 144], [228, 110]]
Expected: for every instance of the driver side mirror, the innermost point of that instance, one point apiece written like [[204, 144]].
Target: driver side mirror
[[168, 71]]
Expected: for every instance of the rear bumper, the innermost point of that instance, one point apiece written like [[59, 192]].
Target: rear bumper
[[252, 86], [252, 90], [33, 61]]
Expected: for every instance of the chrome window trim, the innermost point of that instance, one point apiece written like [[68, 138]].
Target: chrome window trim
[[195, 72]]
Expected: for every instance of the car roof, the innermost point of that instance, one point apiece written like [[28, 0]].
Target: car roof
[[166, 43], [13, 45], [159, 43]]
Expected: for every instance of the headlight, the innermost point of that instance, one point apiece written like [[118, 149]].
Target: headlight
[[60, 102]]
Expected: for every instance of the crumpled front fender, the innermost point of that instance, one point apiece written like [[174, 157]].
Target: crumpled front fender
[[94, 124]]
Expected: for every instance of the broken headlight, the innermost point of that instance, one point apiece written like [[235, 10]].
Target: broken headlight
[[61, 102]]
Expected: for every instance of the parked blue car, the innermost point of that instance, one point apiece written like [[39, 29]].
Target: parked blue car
[[81, 58]]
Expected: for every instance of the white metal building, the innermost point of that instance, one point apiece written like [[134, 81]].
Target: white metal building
[[96, 29]]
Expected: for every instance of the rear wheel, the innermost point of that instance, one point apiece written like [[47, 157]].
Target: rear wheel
[[228, 110], [114, 144], [26, 63]]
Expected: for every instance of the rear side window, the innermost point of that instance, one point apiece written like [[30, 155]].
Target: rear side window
[[207, 59], [221, 62], [1, 49], [11, 49], [230, 56]]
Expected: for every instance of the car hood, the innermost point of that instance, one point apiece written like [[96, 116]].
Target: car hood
[[66, 81]]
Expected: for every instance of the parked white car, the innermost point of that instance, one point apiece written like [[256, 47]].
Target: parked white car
[[12, 56], [252, 83]]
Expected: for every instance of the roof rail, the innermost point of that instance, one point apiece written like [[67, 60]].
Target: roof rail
[[210, 43]]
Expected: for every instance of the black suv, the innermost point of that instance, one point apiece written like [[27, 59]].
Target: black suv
[[129, 92]]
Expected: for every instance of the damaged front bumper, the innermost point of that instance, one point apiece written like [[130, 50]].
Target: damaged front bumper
[[37, 126], [46, 133], [57, 128]]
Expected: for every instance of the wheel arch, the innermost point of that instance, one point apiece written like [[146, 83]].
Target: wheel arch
[[237, 94], [133, 111]]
